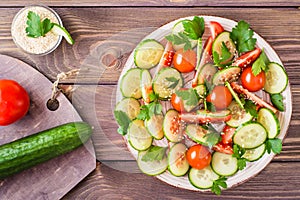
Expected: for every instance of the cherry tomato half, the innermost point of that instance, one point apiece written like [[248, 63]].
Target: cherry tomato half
[[198, 156], [14, 102], [177, 103], [220, 97], [215, 29], [247, 58], [251, 82], [185, 61], [223, 148], [227, 135]]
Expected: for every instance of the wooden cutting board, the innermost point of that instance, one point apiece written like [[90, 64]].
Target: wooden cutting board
[[54, 178]]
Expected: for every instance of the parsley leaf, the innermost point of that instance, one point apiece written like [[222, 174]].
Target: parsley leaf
[[179, 39], [213, 137], [242, 36], [147, 111], [154, 153], [174, 82], [225, 55], [277, 101], [35, 27], [123, 120], [190, 96], [251, 108], [194, 29], [238, 153], [274, 145], [217, 184], [261, 63]]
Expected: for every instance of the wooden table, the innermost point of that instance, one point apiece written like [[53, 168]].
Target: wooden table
[[105, 29]]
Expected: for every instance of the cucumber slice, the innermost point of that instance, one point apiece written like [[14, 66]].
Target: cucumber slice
[[224, 164], [152, 168], [171, 127], [146, 85], [276, 79], [59, 30], [239, 115], [154, 126], [207, 73], [250, 135], [178, 28], [138, 136], [147, 54], [130, 106], [197, 133], [254, 154], [167, 82], [270, 121], [130, 83], [217, 44], [177, 162], [202, 178], [226, 75]]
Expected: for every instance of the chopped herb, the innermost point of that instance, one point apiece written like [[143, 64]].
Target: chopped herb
[[123, 120], [212, 137], [238, 153], [250, 107], [274, 145], [147, 111], [217, 184], [225, 55], [261, 63], [180, 39], [35, 27], [242, 36], [155, 153], [190, 96], [174, 82]]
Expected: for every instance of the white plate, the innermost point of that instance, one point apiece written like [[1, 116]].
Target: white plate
[[252, 168]]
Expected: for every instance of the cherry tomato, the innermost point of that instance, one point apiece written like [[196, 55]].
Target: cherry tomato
[[220, 97], [177, 103], [227, 134], [185, 61], [198, 156], [215, 29], [251, 82], [223, 148], [14, 102], [247, 58]]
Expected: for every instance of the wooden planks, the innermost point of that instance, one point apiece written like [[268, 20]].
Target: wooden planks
[[276, 181], [155, 3], [280, 27]]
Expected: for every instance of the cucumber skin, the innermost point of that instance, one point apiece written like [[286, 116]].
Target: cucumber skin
[[29, 151]]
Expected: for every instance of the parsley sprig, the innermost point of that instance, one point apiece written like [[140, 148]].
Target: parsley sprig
[[155, 153], [35, 27], [238, 153], [148, 110], [261, 63], [219, 59], [242, 35], [217, 184], [274, 145], [190, 96], [123, 120], [193, 30], [213, 137]]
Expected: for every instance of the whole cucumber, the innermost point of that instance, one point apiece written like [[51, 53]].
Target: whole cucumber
[[29, 151]]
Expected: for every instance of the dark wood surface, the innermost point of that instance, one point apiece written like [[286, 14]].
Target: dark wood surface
[[115, 27]]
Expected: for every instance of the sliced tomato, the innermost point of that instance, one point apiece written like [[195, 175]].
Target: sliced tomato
[[166, 59], [238, 88], [247, 58], [227, 134], [185, 60], [223, 148], [203, 116], [215, 29]]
